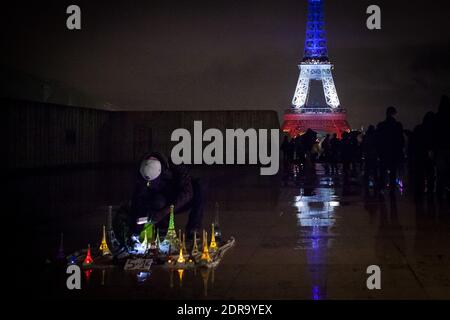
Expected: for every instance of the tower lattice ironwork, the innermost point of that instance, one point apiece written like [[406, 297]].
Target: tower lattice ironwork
[[315, 104]]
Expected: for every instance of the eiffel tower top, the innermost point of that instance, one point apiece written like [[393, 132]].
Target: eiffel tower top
[[315, 41]]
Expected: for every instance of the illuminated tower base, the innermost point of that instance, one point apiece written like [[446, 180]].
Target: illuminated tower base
[[332, 122]]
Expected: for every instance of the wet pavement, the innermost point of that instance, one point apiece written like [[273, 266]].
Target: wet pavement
[[311, 239]]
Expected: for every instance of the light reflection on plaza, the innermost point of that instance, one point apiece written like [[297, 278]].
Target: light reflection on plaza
[[315, 217]]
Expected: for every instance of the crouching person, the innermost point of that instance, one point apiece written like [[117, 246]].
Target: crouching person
[[160, 184]]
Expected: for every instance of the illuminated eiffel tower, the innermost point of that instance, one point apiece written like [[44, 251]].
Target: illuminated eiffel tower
[[213, 244], [103, 245], [315, 104], [205, 257], [171, 236], [195, 251]]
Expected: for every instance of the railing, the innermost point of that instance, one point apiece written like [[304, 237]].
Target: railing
[[316, 110]]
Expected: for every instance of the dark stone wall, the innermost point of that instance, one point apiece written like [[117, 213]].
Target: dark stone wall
[[133, 133], [47, 135], [41, 135]]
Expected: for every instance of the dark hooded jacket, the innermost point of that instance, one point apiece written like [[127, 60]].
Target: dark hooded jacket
[[173, 186], [390, 140]]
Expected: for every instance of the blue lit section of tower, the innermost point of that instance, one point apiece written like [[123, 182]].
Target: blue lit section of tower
[[315, 41]]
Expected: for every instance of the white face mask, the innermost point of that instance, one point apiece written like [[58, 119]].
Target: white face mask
[[150, 169]]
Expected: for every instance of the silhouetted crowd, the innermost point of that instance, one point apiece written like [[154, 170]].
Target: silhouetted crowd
[[385, 155]]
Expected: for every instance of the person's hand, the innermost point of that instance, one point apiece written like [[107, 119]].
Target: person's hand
[[141, 220]]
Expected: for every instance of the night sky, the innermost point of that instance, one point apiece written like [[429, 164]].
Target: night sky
[[167, 55]]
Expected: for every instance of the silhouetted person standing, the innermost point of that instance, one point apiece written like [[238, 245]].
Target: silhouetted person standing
[[326, 153], [442, 148], [430, 164], [299, 151], [288, 149], [285, 149], [335, 145], [369, 150], [422, 154], [291, 150], [308, 141], [390, 143], [417, 153], [346, 154]]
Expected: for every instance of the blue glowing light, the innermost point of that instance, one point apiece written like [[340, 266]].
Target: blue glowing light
[[73, 260], [316, 293], [315, 42], [142, 276]]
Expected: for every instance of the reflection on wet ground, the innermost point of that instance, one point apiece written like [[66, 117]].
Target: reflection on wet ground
[[306, 239], [315, 217]]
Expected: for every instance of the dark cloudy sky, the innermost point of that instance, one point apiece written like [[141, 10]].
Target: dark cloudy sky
[[233, 54]]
